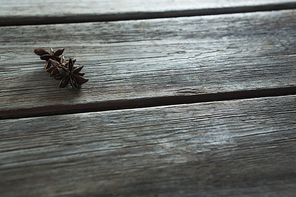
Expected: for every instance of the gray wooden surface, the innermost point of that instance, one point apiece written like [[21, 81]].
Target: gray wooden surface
[[74, 7], [226, 148], [188, 106], [150, 59], [20, 12]]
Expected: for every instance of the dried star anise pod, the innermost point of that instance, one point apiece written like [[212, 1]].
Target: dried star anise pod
[[70, 74], [53, 70], [45, 55]]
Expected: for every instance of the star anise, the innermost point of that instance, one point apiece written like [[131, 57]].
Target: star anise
[[53, 70], [45, 55], [70, 74]]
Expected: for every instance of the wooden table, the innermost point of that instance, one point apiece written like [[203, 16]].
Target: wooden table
[[184, 98]]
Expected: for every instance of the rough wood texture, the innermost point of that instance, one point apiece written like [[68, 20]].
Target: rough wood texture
[[58, 8], [26, 12], [150, 59], [226, 148]]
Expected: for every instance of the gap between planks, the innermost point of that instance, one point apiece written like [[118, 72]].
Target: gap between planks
[[82, 18], [143, 103]]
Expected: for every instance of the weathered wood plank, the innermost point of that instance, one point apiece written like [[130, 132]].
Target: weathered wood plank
[[20, 12], [58, 8], [150, 59], [226, 148]]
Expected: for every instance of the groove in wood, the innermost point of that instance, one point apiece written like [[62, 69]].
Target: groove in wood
[[82, 18]]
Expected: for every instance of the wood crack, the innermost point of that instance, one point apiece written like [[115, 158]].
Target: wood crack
[[144, 103], [82, 18]]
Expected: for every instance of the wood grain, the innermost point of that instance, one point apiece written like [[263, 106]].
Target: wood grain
[[132, 60], [27, 12], [58, 8], [226, 148]]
